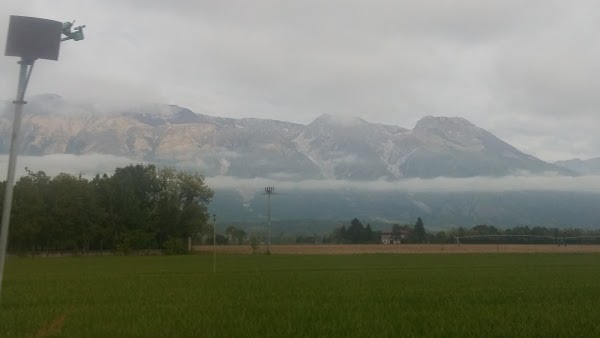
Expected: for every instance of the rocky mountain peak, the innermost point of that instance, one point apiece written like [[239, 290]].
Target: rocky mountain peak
[[585, 167], [457, 130], [337, 121], [443, 122]]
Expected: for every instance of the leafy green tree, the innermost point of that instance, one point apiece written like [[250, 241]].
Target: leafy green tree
[[193, 197], [356, 231], [419, 232], [485, 229], [368, 235], [339, 235], [396, 233], [221, 240], [240, 236], [29, 211], [70, 214], [174, 246], [441, 237], [313, 239], [137, 207], [163, 202], [106, 228], [128, 199]]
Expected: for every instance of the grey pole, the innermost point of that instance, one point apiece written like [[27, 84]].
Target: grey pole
[[214, 243], [269, 217], [12, 162], [30, 39], [269, 191]]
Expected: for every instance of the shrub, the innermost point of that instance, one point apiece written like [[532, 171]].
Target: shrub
[[124, 245], [254, 244], [174, 246]]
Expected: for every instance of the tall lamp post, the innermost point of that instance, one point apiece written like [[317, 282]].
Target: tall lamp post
[[269, 191], [30, 39], [214, 243]]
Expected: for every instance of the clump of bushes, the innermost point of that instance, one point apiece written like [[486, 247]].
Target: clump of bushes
[[174, 246]]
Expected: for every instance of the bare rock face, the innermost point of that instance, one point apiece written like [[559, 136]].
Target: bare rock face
[[329, 147]]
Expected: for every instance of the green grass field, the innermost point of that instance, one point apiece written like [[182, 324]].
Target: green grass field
[[475, 295]]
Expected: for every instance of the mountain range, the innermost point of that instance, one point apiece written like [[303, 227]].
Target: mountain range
[[584, 167], [328, 148]]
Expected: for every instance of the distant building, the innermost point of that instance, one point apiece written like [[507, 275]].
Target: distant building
[[387, 237]]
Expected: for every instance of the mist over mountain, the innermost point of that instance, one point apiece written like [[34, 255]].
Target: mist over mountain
[[349, 160], [439, 210], [584, 167]]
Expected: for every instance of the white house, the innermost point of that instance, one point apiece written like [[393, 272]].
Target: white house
[[387, 237]]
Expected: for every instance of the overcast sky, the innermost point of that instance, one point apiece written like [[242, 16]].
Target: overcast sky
[[528, 71]]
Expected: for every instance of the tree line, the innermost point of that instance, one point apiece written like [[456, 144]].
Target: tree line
[[488, 234], [137, 207], [357, 233]]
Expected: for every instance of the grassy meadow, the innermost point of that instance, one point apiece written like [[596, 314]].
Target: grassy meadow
[[464, 295]]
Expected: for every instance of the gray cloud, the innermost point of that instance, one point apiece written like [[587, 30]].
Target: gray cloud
[[527, 71], [90, 165], [521, 182]]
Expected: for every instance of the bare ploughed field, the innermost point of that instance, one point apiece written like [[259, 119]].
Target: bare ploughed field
[[342, 249]]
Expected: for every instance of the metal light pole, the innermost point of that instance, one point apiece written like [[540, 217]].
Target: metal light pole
[[30, 39], [214, 243], [269, 191], [24, 73]]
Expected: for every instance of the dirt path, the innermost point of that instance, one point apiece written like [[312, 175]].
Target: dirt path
[[334, 249]]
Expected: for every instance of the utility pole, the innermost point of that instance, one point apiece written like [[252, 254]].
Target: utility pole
[[269, 191], [214, 243], [30, 39]]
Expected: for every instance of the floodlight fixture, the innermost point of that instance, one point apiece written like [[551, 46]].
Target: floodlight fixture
[[33, 38], [214, 243], [29, 39], [75, 34]]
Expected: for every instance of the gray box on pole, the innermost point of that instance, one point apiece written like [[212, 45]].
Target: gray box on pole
[[33, 38]]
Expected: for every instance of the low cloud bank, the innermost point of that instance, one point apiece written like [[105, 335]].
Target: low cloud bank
[[90, 165], [441, 184]]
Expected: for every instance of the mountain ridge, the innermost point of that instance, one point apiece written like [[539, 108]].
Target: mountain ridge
[[590, 166], [330, 147]]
